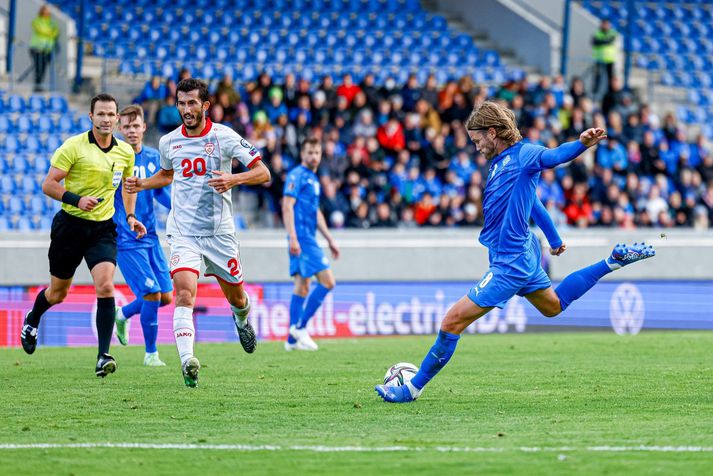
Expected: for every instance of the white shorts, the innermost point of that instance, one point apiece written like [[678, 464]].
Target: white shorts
[[219, 253]]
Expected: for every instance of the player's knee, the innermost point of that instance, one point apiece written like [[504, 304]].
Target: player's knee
[[166, 299], [552, 310], [152, 297], [329, 284], [105, 289], [184, 298]]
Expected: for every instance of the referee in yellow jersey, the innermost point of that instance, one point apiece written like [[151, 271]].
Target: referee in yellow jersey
[[92, 165]]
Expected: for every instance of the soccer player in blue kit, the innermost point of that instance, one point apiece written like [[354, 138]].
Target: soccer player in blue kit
[[514, 252], [302, 217], [142, 262]]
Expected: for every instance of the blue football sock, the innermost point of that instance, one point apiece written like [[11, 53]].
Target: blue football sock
[[576, 284], [149, 324], [134, 307], [436, 359], [296, 305], [315, 299]]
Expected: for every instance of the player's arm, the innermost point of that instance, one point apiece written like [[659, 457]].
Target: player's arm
[[130, 207], [543, 220], [551, 158], [257, 174], [54, 189], [288, 217], [160, 179], [324, 230]]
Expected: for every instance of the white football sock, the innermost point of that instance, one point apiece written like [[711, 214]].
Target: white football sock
[[184, 332], [242, 312], [119, 315]]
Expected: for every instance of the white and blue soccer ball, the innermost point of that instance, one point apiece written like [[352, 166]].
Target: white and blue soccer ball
[[399, 374]]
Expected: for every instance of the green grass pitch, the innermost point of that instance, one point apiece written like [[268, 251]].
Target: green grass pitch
[[555, 403]]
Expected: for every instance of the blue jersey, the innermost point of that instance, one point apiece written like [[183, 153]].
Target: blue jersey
[[510, 193], [145, 165], [303, 185]]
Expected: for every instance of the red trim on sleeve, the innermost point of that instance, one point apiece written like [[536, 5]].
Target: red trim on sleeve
[[206, 129], [185, 269], [222, 280], [255, 160]]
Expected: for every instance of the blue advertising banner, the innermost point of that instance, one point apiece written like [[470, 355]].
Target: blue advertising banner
[[377, 309]]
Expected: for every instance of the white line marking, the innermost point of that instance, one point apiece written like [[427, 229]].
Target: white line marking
[[360, 449]]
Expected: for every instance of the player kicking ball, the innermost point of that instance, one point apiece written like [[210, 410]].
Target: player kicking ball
[[514, 252], [197, 159], [302, 217], [142, 262]]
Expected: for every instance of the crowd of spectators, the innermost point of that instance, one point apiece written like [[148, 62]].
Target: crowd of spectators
[[398, 155]]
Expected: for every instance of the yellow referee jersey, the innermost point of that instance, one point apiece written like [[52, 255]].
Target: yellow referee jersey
[[92, 171]]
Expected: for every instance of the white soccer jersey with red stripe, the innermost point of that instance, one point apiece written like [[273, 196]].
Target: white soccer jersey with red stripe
[[196, 208]]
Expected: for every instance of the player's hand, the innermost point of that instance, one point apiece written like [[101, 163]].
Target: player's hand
[[295, 249], [221, 181], [132, 184], [137, 227], [592, 136], [334, 249], [558, 251], [88, 203]]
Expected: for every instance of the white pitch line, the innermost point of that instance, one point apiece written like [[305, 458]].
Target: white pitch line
[[360, 449]]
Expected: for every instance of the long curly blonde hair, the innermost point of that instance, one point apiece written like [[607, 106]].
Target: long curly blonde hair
[[490, 114]]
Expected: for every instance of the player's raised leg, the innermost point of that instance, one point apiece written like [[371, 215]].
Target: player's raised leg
[[296, 306], [46, 298], [240, 305], [552, 302], [458, 317], [186, 283]]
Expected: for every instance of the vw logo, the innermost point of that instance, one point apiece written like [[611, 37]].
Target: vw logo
[[626, 309]]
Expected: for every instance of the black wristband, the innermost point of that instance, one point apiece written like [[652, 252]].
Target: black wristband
[[71, 198], [130, 215]]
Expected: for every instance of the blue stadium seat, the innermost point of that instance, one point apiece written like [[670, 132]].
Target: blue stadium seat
[[36, 103], [15, 103], [15, 205], [11, 144], [28, 186], [4, 224], [33, 144], [41, 164], [45, 124], [54, 141], [23, 124], [20, 164], [24, 224], [57, 104], [5, 124], [7, 185]]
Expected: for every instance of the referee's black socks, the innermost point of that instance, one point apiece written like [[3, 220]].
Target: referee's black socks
[[40, 307], [105, 323]]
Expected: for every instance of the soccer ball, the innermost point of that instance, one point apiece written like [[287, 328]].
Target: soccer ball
[[399, 374]]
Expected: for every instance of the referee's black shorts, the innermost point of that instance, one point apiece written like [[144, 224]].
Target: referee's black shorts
[[73, 238]]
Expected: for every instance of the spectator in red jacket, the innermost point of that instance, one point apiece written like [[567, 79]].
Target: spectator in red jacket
[[579, 210], [391, 136], [348, 89]]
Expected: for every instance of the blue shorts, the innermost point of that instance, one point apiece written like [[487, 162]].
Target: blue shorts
[[509, 275], [310, 262], [145, 270]]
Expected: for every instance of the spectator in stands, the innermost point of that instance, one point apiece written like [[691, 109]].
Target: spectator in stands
[[391, 136], [225, 86], [614, 97], [348, 89], [152, 97], [42, 43], [168, 116], [604, 53]]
